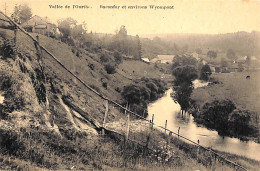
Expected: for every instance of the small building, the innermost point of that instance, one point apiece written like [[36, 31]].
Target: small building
[[195, 55], [212, 68], [147, 60], [163, 59], [40, 25]]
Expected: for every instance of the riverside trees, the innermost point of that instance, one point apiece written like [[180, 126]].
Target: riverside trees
[[184, 70]]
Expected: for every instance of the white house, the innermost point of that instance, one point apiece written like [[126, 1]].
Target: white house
[[163, 59]]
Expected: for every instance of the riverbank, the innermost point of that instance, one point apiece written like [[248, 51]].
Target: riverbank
[[244, 93]]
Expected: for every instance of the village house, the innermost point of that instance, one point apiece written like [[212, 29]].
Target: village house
[[146, 60], [164, 59], [40, 25]]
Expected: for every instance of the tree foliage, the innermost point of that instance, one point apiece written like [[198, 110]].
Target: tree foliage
[[182, 60], [183, 86], [73, 33], [198, 51], [223, 116], [231, 54], [184, 74], [143, 91], [182, 95], [215, 114], [22, 13], [205, 72], [212, 54]]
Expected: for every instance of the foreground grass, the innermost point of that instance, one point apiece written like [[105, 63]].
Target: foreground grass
[[171, 148]]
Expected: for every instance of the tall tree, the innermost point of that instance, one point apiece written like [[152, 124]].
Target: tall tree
[[212, 54], [183, 86], [231, 54], [65, 26], [205, 72], [22, 13], [139, 48]]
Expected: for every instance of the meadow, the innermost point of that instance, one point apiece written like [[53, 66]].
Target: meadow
[[245, 93]]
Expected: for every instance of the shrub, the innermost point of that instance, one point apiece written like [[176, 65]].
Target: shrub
[[104, 58], [205, 73], [215, 115], [118, 57], [104, 84], [118, 89], [110, 69], [239, 123], [91, 66], [95, 88], [7, 50]]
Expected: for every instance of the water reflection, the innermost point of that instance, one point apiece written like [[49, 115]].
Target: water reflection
[[1, 98], [166, 109]]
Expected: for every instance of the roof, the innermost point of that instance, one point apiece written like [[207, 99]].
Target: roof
[[40, 27], [146, 59], [36, 20], [165, 57]]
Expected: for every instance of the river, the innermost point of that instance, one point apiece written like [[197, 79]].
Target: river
[[166, 109], [1, 98]]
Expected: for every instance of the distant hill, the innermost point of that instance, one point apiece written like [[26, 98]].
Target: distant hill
[[243, 43]]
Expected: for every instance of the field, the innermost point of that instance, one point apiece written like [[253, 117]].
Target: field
[[245, 93]]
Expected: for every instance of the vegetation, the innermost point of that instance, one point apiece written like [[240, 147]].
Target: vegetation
[[243, 94], [110, 68], [222, 116], [205, 72], [145, 90], [37, 130], [21, 13], [231, 54], [211, 54], [183, 69]]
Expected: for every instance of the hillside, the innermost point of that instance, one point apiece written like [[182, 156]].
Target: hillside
[[243, 43]]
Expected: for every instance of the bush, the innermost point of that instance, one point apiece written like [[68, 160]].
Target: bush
[[239, 123], [216, 114], [7, 50], [95, 88], [135, 94], [118, 57], [205, 72], [104, 58], [91, 66], [110, 69], [138, 95]]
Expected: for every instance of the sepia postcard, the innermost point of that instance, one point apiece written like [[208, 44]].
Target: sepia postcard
[[130, 85]]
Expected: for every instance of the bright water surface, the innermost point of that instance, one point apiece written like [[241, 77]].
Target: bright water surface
[[1, 98], [165, 109]]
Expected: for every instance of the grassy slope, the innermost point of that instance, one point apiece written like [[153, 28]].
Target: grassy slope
[[67, 147]]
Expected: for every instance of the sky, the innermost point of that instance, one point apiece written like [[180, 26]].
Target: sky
[[188, 16]]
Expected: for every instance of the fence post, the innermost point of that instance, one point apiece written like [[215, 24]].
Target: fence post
[[128, 125], [169, 138], [179, 132], [165, 126], [198, 149], [152, 122], [105, 118], [15, 41], [149, 134]]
